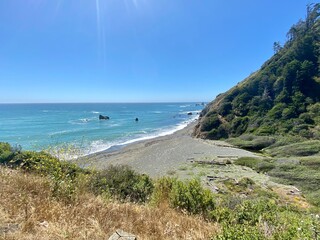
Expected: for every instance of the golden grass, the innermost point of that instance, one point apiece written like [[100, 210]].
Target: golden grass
[[28, 211]]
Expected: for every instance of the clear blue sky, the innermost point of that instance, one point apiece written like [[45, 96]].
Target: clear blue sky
[[135, 50]]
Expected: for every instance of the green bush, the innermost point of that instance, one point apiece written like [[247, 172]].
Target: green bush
[[210, 122], [186, 196], [306, 148], [246, 182], [239, 125], [276, 111], [265, 130], [252, 142], [225, 108], [264, 218], [240, 232], [191, 197], [45, 164], [162, 190], [288, 113], [63, 176], [220, 133], [286, 140], [258, 164], [238, 187], [264, 166], [248, 162], [306, 118], [6, 152], [123, 183]]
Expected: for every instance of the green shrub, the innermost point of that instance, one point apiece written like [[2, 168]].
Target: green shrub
[[45, 164], [186, 196], [63, 176], [252, 142], [251, 211], [286, 140], [288, 113], [210, 122], [306, 118], [246, 182], [162, 190], [312, 162], [248, 162], [266, 219], [191, 197], [225, 108], [240, 232], [265, 130], [314, 197], [220, 133], [243, 186], [306, 148], [276, 111], [6, 152], [123, 183], [264, 166], [239, 125], [258, 164]]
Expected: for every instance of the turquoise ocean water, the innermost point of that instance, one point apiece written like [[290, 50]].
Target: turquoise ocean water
[[75, 130]]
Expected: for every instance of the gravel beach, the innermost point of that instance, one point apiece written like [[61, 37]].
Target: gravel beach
[[158, 156]]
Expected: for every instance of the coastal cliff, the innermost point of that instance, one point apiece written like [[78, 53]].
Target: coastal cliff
[[282, 98]]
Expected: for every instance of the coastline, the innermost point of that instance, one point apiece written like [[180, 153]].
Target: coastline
[[161, 155]]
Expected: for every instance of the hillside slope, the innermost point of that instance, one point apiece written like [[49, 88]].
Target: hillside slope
[[282, 98]]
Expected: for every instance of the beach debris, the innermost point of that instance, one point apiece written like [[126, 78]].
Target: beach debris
[[101, 117], [229, 157], [213, 162], [9, 228], [294, 191], [122, 235], [190, 159], [44, 224], [212, 178]]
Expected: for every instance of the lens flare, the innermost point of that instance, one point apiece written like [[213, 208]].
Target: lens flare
[[100, 33]]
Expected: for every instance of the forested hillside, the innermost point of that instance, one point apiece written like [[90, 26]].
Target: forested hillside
[[282, 98]]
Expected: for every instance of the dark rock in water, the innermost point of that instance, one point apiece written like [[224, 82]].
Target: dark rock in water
[[137, 119], [189, 113], [101, 117]]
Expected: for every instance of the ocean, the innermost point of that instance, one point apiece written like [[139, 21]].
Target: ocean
[[73, 130]]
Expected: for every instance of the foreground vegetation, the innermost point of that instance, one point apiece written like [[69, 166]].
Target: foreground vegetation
[[42, 197]]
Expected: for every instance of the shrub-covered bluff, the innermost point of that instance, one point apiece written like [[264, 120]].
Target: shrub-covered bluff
[[282, 98]]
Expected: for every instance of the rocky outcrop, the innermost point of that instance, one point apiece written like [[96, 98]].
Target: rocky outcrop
[[101, 117]]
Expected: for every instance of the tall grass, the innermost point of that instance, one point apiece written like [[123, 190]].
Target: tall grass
[[26, 200]]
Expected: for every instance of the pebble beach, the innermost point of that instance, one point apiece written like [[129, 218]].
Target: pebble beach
[[159, 156]]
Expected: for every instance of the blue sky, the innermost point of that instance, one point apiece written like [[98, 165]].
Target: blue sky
[[135, 50]]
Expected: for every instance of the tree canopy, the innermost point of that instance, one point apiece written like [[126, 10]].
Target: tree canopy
[[283, 97]]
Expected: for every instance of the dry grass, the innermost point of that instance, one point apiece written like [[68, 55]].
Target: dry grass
[[28, 211]]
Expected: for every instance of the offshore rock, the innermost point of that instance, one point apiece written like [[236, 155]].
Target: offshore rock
[[101, 117]]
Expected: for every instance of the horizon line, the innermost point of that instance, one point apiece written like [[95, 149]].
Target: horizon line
[[2, 103]]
